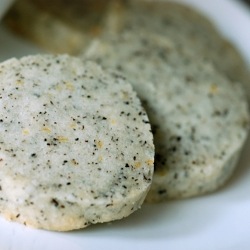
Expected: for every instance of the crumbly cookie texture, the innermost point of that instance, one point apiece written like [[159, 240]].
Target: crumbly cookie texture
[[76, 24], [48, 23], [76, 146], [193, 34], [199, 118]]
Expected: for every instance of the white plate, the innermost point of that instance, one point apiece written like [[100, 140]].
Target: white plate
[[220, 221]]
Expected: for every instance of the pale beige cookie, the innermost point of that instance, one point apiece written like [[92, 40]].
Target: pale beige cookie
[[67, 27], [58, 26], [193, 34], [76, 146], [199, 118]]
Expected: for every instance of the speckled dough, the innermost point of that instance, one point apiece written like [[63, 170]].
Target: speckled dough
[[77, 24], [75, 145], [48, 23], [198, 117], [193, 34]]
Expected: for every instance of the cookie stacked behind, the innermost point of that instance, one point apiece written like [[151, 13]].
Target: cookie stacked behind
[[69, 26], [59, 26], [199, 117], [193, 34]]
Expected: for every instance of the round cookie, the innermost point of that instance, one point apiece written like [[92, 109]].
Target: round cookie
[[199, 118], [48, 23], [193, 34], [76, 146]]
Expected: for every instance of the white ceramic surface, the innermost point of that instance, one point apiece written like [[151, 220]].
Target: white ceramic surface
[[219, 221]]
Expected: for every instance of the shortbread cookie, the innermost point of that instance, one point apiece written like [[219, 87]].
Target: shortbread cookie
[[192, 33], [58, 26], [199, 118], [75, 146], [67, 27]]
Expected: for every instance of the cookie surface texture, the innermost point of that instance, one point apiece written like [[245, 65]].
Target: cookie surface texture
[[199, 118], [75, 146], [192, 32], [48, 23]]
